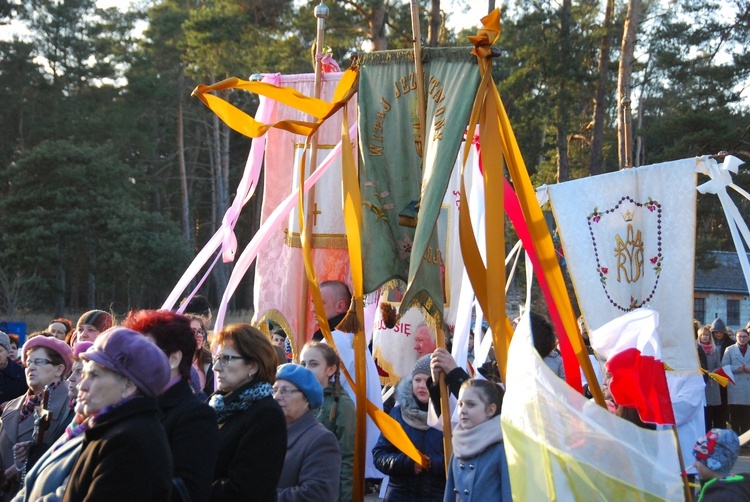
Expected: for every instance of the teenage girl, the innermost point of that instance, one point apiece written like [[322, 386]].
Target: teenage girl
[[479, 468], [338, 413]]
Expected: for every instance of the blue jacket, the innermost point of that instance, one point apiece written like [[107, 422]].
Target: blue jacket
[[484, 475], [404, 484]]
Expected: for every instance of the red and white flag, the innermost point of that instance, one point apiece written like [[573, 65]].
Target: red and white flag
[[632, 348], [726, 372]]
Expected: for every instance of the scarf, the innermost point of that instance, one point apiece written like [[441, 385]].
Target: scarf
[[469, 443], [707, 348], [240, 402], [413, 412], [31, 401]]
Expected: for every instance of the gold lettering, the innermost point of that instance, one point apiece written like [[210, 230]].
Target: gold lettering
[[413, 80], [433, 83], [375, 150], [405, 85], [386, 105], [378, 127], [440, 111], [375, 137], [629, 254], [398, 91]]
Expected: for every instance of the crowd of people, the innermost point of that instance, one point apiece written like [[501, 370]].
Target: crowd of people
[[156, 408]]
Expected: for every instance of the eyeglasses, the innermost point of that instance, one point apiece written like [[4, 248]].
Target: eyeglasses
[[38, 361], [285, 391], [224, 359]]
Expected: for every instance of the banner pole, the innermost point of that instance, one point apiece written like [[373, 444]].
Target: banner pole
[[688, 492]]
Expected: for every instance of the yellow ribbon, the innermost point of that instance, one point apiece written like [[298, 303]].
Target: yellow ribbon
[[485, 280], [498, 141]]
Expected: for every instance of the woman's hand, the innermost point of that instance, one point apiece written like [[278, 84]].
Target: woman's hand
[[20, 454]]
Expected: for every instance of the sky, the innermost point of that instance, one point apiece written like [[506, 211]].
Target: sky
[[475, 10]]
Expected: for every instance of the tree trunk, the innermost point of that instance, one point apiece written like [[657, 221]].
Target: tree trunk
[[596, 162], [433, 32], [624, 82], [563, 96], [185, 209], [378, 20]]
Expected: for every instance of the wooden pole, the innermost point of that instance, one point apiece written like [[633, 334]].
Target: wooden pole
[[419, 69], [445, 410], [688, 492]]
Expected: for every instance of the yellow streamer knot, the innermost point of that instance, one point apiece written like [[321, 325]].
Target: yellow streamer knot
[[486, 36]]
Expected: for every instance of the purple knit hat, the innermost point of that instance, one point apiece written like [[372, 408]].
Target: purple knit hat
[[133, 356]]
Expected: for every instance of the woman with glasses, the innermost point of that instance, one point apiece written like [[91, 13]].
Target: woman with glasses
[[312, 465], [252, 431], [47, 360]]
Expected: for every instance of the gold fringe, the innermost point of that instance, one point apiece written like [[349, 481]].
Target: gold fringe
[[319, 241], [407, 55], [278, 318], [351, 323]]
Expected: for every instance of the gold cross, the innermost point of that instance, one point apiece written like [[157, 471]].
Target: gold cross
[[315, 214]]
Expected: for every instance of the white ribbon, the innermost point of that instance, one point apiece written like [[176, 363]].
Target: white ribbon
[[721, 178]]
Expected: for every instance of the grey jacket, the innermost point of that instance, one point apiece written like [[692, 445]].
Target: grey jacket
[[46, 481], [739, 393], [312, 465]]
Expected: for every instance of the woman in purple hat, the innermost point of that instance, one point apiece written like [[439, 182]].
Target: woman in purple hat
[[125, 454], [47, 361]]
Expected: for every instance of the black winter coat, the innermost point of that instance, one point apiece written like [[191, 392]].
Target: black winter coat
[[252, 446], [404, 484], [124, 457], [12, 382], [193, 437]]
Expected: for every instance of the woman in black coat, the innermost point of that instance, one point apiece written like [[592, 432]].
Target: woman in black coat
[[190, 424], [252, 428], [125, 454]]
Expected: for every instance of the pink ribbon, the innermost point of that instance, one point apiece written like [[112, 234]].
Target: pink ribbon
[[225, 236], [275, 220], [329, 64]]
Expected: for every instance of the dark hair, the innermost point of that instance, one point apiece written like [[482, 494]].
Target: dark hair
[[13, 339], [252, 345], [198, 304], [489, 392], [202, 353], [280, 332], [543, 335], [332, 359], [341, 290], [65, 322], [171, 333]]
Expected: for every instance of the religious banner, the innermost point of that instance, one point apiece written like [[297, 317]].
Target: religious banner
[[452, 80], [402, 195], [280, 274], [629, 242], [393, 348]]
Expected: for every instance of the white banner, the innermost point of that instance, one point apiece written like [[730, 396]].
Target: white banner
[[629, 242]]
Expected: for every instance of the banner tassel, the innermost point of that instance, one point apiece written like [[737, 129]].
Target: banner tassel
[[351, 322]]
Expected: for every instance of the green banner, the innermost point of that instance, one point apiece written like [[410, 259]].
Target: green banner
[[390, 170], [392, 178]]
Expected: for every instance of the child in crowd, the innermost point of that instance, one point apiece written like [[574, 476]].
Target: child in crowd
[[338, 413], [715, 455], [479, 468]]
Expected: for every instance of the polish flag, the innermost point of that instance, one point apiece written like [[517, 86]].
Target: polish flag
[[631, 346], [726, 372]]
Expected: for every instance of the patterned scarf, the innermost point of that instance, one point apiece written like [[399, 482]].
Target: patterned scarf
[[31, 401], [241, 402]]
